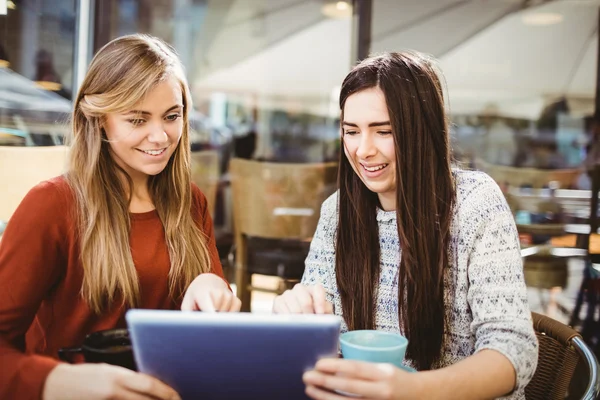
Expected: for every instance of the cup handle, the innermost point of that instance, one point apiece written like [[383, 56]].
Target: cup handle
[[67, 353]]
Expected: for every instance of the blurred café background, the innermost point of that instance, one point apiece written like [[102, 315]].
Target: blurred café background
[[522, 93]]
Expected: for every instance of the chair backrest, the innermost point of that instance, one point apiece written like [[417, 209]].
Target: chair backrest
[[205, 174], [21, 168], [560, 349], [278, 200]]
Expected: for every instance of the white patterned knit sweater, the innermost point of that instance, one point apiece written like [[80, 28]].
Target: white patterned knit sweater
[[485, 293]]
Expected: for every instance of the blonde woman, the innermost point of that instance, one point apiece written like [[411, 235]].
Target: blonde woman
[[123, 228]]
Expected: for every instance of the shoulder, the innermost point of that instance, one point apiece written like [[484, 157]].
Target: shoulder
[[329, 208], [468, 181], [329, 216], [54, 193], [478, 192], [197, 195], [481, 209], [48, 208]]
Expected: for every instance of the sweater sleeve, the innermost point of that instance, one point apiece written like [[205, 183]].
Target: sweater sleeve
[[320, 262], [497, 293], [206, 225], [31, 260]]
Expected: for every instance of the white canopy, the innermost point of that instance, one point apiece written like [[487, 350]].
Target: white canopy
[[492, 57]]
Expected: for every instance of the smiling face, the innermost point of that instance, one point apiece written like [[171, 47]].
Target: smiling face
[[143, 139], [369, 143]]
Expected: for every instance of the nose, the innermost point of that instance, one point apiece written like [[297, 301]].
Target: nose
[[366, 147], [157, 133]]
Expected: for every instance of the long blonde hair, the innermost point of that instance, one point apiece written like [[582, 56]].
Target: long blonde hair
[[120, 75]]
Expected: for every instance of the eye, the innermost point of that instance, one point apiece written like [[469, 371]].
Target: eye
[[136, 121], [384, 133], [173, 117], [351, 133]]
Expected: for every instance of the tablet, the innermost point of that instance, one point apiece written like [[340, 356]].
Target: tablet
[[231, 355]]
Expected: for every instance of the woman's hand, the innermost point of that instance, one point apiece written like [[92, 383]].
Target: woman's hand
[[208, 292], [303, 300], [103, 381], [363, 379]]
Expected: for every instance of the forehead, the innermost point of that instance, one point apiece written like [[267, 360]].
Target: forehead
[[164, 94], [366, 105]]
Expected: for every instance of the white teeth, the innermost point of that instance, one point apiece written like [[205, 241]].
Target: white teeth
[[377, 168], [153, 152]]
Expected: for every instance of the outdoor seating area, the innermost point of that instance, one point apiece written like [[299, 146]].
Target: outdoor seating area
[[349, 199]]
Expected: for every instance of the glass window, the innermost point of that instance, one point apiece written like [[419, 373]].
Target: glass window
[[36, 70], [520, 79], [254, 69]]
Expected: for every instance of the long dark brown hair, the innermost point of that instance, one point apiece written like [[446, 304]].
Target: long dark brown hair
[[425, 198]]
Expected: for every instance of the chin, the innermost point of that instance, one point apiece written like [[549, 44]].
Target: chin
[[153, 171], [376, 189]]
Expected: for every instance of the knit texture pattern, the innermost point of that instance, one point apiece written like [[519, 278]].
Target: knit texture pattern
[[484, 290]]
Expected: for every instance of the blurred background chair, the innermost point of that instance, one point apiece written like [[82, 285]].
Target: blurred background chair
[[21, 168], [206, 174], [276, 208], [529, 177], [561, 349]]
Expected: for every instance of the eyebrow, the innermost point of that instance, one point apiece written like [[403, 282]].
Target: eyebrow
[[372, 124], [139, 112]]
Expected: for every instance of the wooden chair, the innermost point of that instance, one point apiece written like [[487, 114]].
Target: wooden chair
[[205, 174], [21, 168], [276, 209], [560, 349]]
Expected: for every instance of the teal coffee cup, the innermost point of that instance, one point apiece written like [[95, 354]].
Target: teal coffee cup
[[374, 346]]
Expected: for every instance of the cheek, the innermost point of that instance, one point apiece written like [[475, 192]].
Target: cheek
[[118, 150], [350, 152], [110, 130], [175, 132], [389, 150], [350, 147], [349, 155], [119, 131]]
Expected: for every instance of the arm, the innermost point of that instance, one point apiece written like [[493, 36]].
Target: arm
[[315, 293], [209, 291], [206, 225], [31, 257], [506, 347], [485, 375], [320, 263]]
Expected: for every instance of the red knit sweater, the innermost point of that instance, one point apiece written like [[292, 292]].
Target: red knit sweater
[[41, 309]]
